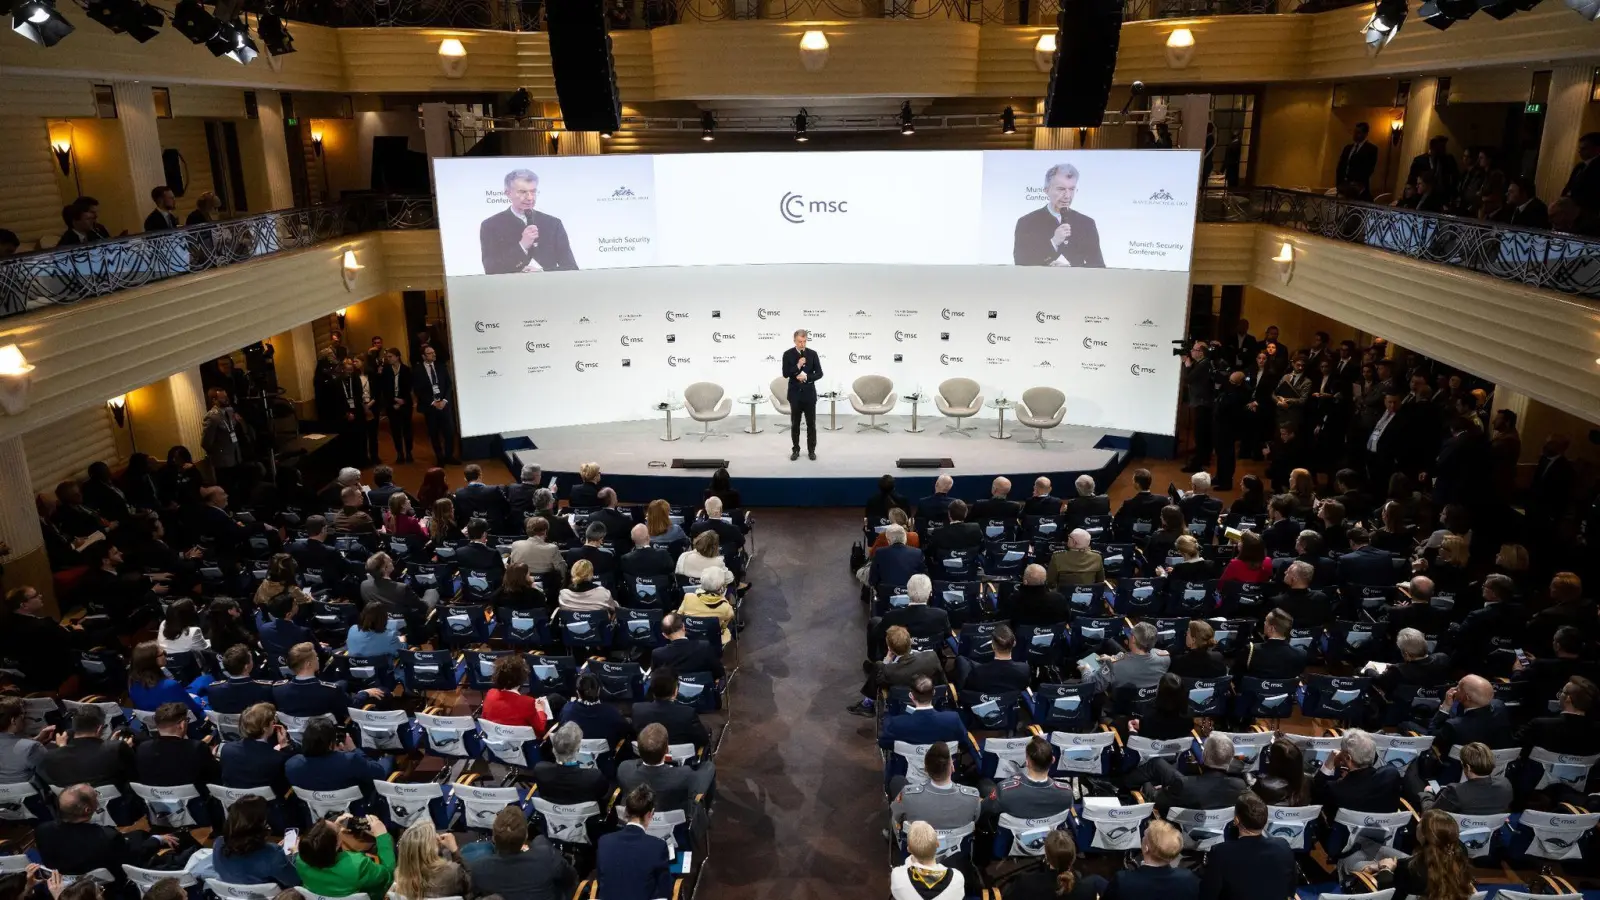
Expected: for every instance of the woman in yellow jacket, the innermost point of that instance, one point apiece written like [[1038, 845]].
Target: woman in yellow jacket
[[712, 599]]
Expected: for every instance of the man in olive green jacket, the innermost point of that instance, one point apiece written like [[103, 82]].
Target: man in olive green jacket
[[1077, 564]]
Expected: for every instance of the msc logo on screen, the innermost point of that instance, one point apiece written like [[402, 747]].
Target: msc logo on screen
[[860, 357], [1043, 317], [675, 316], [999, 338], [1137, 369], [794, 208], [766, 313], [533, 346], [903, 336], [720, 336], [674, 361], [582, 366], [1090, 343], [948, 314], [626, 340], [946, 359], [481, 327]]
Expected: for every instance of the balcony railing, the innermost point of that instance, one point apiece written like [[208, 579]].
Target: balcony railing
[[69, 274], [1567, 263], [528, 15]]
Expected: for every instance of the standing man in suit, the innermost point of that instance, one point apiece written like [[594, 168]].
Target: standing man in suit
[[1241, 347], [630, 863], [802, 367], [1056, 234], [1200, 392], [1584, 184], [1443, 166], [162, 218], [433, 395], [225, 437], [394, 402], [357, 409], [522, 239], [1357, 161]]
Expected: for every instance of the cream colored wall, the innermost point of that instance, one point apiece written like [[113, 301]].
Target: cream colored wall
[[100, 171], [381, 316], [30, 201], [64, 449], [1296, 324], [341, 157], [188, 137], [1292, 145], [1340, 132]]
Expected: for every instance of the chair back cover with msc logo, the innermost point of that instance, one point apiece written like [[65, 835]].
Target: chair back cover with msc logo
[[1525, 895], [381, 729], [1376, 828], [916, 772], [1477, 832], [1114, 828], [1202, 829], [1147, 749], [321, 803], [566, 823], [106, 793], [953, 840], [227, 724], [1027, 835], [481, 804], [309, 894], [168, 806], [591, 750], [508, 744], [429, 670], [296, 725], [1563, 769], [409, 803], [98, 876], [449, 735], [113, 712], [664, 824], [12, 865], [1009, 756], [1081, 754], [226, 797], [1398, 750], [1556, 836], [681, 754], [1316, 749], [145, 879], [1502, 758], [14, 802], [1386, 894], [1290, 824]]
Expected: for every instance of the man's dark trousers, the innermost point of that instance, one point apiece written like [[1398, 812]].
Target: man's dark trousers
[[808, 409]]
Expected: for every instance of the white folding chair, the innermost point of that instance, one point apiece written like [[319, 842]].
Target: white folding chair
[[1080, 754], [145, 879], [479, 805], [1375, 895], [446, 734], [1563, 769], [506, 744], [1477, 832], [380, 729], [678, 754], [1010, 755], [1378, 829], [664, 824], [227, 724], [167, 806], [592, 750], [1289, 824], [99, 876], [408, 802], [566, 823], [296, 725], [1399, 750], [322, 803], [1202, 829], [227, 891], [1027, 835], [14, 802], [11, 865], [227, 796], [1116, 828], [1502, 758], [913, 754], [313, 895], [1557, 836], [113, 712]]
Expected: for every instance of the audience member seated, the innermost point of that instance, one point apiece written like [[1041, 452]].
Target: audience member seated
[[352, 517], [676, 787], [729, 536], [1501, 618], [1194, 567], [1567, 606], [897, 516], [1249, 566], [1546, 674], [329, 761], [1308, 608], [537, 553], [1437, 869], [129, 598], [598, 719], [171, 757], [520, 868], [682, 722], [86, 757], [711, 601], [996, 507], [1281, 532], [314, 552], [1172, 527], [935, 507], [1036, 603], [327, 868], [1032, 793], [476, 500], [683, 653], [894, 565], [1365, 564], [1308, 548], [43, 650], [544, 506], [921, 621], [281, 599], [1283, 780], [504, 705], [646, 560], [477, 556], [1350, 778], [373, 637], [702, 555], [1058, 880], [428, 864], [1142, 506], [1199, 505], [245, 854], [258, 759], [332, 495], [443, 531], [938, 801], [381, 588], [1077, 564], [1480, 717], [900, 668], [519, 590], [631, 864], [923, 877], [957, 535], [585, 594], [149, 685], [19, 756], [1574, 731], [1214, 787], [1252, 499], [180, 630], [1274, 657], [306, 695], [922, 724], [383, 490], [1087, 502], [567, 781], [1416, 668], [998, 676], [879, 504], [73, 845], [1140, 667], [1156, 878], [1201, 659], [616, 522], [662, 531], [1167, 720], [586, 493], [1480, 793], [1249, 865]]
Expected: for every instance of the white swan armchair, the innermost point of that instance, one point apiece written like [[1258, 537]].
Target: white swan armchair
[[959, 398], [1041, 408], [706, 402], [873, 396]]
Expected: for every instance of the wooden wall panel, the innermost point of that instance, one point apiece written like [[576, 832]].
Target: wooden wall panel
[[633, 57], [206, 101], [55, 98], [1227, 50], [1223, 254], [64, 448], [387, 60], [534, 71], [412, 260], [30, 204]]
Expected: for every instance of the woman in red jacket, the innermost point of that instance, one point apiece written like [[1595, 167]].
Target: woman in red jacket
[[1251, 566], [503, 705]]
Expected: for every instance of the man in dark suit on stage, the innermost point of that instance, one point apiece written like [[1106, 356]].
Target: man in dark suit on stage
[[1056, 234], [1357, 161], [522, 239], [432, 384], [802, 367]]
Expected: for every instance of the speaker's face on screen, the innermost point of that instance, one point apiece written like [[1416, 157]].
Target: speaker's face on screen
[[522, 193], [1060, 190]]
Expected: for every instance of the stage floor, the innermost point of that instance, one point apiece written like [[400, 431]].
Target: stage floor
[[849, 461]]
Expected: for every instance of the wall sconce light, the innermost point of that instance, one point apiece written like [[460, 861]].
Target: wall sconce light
[[339, 314], [813, 51], [63, 151], [1180, 48], [119, 409], [452, 58], [1044, 51], [316, 143], [1397, 127], [555, 141], [1285, 261], [1083, 138], [349, 270], [15, 377]]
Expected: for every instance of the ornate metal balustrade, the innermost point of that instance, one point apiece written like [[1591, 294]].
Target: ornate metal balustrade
[[1545, 259], [70, 274]]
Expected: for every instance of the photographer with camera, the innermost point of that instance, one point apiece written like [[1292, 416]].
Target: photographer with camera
[[329, 865]]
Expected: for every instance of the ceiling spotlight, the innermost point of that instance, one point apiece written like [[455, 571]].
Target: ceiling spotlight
[[1387, 17], [905, 119], [708, 126], [138, 20], [275, 34], [1008, 121], [38, 21], [233, 41], [800, 120], [194, 22]]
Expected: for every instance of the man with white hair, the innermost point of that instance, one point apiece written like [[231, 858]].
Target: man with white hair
[[1088, 502], [519, 496], [996, 508], [892, 566], [1214, 788], [728, 534], [520, 238], [1200, 506], [567, 780], [1351, 779], [332, 496], [917, 617], [1417, 667], [1309, 608], [1042, 503], [1140, 667], [1035, 603], [1056, 234], [1310, 548], [935, 507], [1077, 564]]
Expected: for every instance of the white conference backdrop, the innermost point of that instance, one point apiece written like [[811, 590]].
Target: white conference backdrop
[[609, 345]]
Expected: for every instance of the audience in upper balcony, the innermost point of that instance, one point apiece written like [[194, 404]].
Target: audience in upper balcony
[[1583, 186], [9, 242], [1357, 161], [1438, 163], [162, 217], [1523, 207]]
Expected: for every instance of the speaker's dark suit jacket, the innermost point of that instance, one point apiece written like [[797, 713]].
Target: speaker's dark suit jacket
[[1032, 247], [500, 237], [802, 391]]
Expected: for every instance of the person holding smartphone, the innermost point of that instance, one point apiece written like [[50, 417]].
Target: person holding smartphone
[[245, 853]]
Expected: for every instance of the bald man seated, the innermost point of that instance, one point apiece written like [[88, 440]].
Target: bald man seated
[[935, 507], [1043, 503], [1469, 713], [996, 507]]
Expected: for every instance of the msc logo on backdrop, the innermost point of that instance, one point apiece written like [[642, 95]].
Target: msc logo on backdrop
[[948, 314], [720, 336], [626, 340], [946, 359], [1137, 369], [1043, 317], [532, 346], [1090, 343], [582, 366], [999, 338], [766, 313], [794, 208], [675, 316], [860, 357], [903, 336], [481, 327], [675, 360], [672, 339], [627, 363]]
